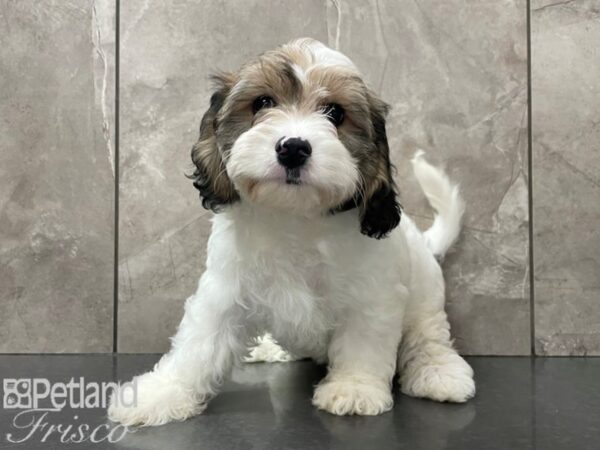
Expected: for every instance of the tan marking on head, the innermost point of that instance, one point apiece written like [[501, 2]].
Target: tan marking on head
[[303, 77]]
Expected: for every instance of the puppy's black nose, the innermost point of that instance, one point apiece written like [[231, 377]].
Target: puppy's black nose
[[292, 152]]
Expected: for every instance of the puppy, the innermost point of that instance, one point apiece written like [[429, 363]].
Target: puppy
[[309, 244]]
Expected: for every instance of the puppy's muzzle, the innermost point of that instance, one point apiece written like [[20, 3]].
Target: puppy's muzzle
[[292, 153]]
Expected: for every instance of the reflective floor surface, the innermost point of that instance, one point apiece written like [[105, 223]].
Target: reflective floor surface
[[521, 403]]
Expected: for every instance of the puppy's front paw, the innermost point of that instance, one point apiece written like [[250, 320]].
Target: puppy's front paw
[[153, 399], [450, 380], [345, 396]]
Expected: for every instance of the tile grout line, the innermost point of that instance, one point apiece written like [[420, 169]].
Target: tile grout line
[[530, 185], [116, 199]]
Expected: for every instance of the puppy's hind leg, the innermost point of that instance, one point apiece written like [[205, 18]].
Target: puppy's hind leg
[[429, 365], [267, 349]]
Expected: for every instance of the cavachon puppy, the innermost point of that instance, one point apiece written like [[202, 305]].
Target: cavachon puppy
[[309, 244]]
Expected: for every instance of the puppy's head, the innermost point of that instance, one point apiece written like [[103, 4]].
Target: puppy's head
[[298, 130]]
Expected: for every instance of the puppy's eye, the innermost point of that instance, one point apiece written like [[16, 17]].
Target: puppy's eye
[[335, 113], [264, 101]]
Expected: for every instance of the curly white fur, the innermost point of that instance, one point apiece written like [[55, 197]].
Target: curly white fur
[[367, 307]]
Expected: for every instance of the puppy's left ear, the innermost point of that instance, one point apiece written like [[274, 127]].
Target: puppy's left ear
[[380, 211]]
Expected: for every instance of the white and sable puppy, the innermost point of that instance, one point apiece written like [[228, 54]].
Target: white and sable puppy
[[308, 244]]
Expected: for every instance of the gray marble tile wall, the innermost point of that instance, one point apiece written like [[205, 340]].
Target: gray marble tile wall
[[167, 53], [457, 84], [455, 74], [56, 175], [566, 176]]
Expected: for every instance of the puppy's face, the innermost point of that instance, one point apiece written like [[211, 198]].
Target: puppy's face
[[298, 130]]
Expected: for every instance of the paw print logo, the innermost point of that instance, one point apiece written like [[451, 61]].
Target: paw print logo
[[17, 393]]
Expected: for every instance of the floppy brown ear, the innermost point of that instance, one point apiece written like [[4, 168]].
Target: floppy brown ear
[[380, 211], [210, 176]]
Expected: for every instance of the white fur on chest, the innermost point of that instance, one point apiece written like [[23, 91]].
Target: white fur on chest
[[298, 276]]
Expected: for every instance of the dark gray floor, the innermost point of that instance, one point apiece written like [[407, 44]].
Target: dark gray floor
[[521, 403]]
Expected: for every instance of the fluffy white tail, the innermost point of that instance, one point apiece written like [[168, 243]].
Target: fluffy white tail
[[445, 198]]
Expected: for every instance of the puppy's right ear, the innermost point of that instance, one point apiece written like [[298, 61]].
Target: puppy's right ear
[[210, 176]]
